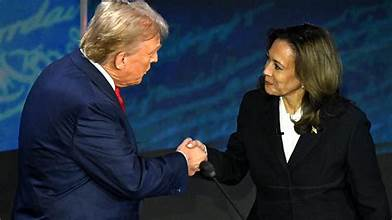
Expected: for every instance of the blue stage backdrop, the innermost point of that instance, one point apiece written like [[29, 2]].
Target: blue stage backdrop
[[213, 55]]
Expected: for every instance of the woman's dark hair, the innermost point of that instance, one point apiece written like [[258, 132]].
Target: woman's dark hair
[[317, 66]]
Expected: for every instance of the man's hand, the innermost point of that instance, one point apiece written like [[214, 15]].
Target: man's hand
[[195, 153]]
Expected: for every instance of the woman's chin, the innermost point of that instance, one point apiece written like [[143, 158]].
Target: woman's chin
[[270, 91]]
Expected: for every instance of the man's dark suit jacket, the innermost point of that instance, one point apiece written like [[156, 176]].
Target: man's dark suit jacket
[[77, 151], [331, 175]]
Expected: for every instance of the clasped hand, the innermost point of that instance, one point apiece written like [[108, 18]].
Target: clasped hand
[[195, 152]]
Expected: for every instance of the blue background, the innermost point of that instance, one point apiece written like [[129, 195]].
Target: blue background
[[215, 52]]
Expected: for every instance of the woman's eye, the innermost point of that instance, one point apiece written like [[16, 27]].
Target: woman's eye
[[277, 67]]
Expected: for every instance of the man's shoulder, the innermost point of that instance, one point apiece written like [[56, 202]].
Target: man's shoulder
[[65, 81], [63, 63]]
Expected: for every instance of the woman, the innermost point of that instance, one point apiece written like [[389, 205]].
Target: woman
[[308, 150]]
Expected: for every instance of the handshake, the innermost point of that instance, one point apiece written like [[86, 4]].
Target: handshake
[[195, 152]]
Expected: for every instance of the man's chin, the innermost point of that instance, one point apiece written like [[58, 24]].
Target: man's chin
[[136, 82]]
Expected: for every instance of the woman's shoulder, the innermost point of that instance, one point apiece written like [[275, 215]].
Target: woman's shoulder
[[258, 95], [343, 109], [256, 101]]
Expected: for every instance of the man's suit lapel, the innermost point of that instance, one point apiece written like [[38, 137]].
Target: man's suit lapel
[[93, 73], [99, 80]]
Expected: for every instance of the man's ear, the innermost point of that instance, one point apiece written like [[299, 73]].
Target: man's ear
[[119, 60]]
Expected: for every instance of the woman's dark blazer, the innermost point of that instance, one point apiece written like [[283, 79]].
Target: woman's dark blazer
[[331, 175]]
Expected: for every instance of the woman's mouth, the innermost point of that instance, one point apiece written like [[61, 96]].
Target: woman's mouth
[[268, 82]]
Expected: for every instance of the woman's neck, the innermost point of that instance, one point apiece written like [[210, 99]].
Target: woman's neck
[[293, 101]]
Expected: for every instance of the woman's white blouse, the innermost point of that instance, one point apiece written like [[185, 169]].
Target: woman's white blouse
[[289, 136]]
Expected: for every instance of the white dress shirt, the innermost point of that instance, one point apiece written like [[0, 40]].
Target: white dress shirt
[[289, 137]]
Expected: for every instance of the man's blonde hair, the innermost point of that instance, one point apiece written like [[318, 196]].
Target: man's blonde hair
[[120, 26]]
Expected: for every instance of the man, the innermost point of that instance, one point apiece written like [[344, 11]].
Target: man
[[77, 152]]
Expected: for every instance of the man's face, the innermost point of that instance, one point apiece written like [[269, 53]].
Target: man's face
[[135, 65]]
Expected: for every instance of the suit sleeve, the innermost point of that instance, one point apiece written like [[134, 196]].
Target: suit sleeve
[[102, 149], [231, 166], [364, 175]]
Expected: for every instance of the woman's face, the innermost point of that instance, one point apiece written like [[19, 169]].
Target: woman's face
[[279, 70]]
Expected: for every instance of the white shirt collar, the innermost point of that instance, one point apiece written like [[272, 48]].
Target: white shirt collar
[[101, 70], [295, 117]]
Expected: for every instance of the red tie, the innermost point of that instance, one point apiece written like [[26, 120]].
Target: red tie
[[119, 98]]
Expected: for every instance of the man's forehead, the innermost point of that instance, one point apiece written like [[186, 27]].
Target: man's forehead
[[153, 43]]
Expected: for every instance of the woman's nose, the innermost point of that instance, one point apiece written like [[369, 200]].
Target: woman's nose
[[267, 70]]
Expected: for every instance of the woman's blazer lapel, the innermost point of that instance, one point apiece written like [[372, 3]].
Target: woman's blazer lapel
[[274, 137], [305, 143]]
